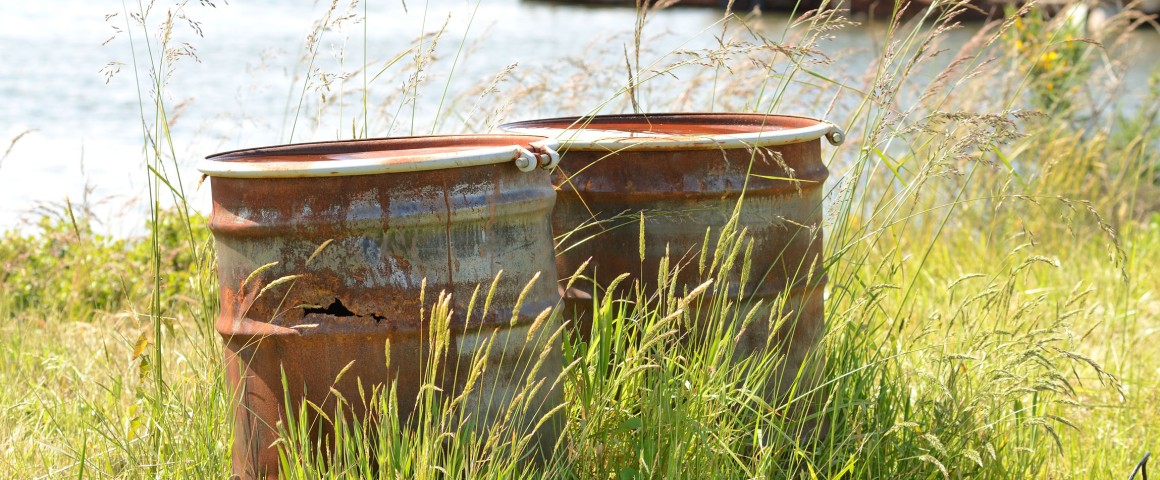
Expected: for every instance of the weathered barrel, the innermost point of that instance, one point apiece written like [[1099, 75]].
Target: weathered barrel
[[342, 236], [685, 173]]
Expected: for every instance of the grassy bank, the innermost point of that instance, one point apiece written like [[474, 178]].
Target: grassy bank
[[991, 303]]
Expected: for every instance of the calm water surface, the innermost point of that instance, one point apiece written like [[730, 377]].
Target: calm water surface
[[84, 138]]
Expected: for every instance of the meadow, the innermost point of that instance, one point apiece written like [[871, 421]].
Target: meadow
[[991, 226]]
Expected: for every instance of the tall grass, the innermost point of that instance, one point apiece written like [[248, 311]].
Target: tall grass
[[990, 224]]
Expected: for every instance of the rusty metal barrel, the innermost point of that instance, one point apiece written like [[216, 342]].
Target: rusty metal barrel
[[324, 248], [685, 173]]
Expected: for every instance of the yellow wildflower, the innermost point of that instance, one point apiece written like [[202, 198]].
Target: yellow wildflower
[[1047, 60]]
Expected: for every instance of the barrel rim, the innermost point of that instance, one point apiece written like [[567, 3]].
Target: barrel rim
[[758, 138], [331, 158]]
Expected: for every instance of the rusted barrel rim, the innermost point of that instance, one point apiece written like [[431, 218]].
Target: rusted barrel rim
[[382, 156], [586, 134]]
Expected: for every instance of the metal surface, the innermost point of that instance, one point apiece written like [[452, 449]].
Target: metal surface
[[346, 158], [686, 173], [361, 247], [682, 132]]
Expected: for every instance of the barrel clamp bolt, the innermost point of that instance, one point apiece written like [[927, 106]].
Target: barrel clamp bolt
[[836, 136], [543, 156]]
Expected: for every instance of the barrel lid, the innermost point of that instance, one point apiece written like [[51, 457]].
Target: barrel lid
[[382, 155], [666, 131]]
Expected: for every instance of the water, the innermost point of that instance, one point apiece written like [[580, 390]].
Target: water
[[84, 136]]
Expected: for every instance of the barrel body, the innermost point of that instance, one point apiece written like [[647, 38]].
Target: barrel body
[[685, 173], [683, 193], [343, 261]]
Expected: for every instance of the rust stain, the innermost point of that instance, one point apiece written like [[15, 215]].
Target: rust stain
[[690, 184], [450, 247], [383, 234]]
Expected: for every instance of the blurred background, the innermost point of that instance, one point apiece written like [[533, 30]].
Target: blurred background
[[71, 117]]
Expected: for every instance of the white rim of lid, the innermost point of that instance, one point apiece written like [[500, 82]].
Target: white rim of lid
[[595, 138], [469, 157]]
